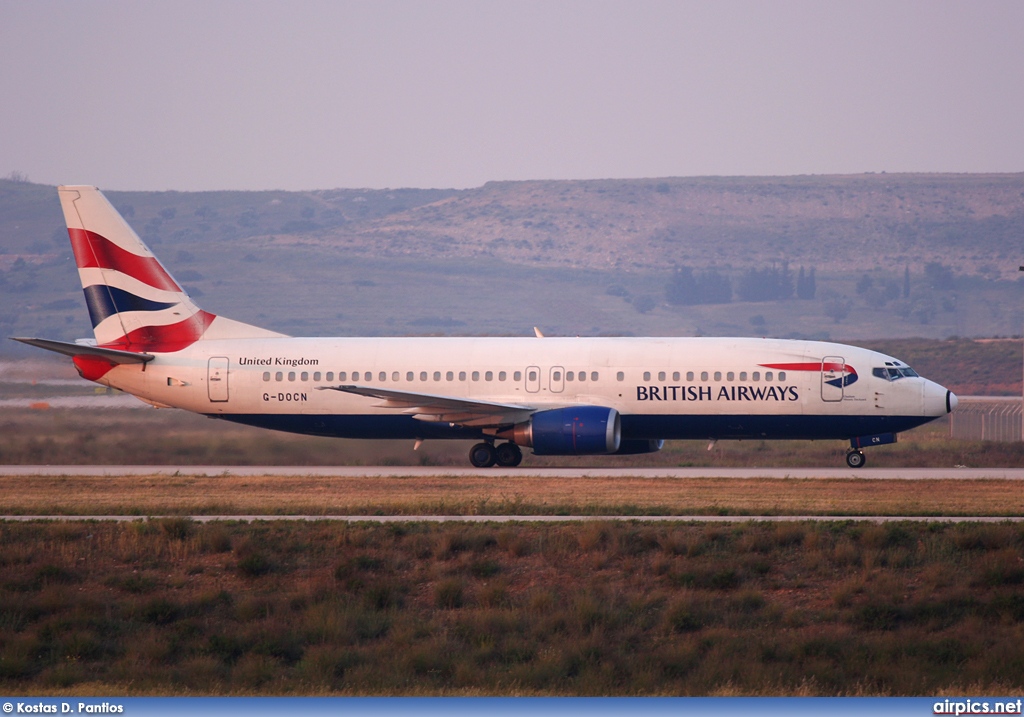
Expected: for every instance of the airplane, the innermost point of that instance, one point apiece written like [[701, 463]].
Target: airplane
[[557, 396]]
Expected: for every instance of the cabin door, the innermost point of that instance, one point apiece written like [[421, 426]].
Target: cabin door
[[217, 378], [833, 376]]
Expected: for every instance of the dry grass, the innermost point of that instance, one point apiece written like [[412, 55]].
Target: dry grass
[[167, 437], [172, 607], [499, 495]]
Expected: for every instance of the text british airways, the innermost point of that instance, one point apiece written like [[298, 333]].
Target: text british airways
[[725, 393]]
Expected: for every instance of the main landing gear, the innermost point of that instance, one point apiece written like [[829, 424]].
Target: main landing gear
[[485, 455], [854, 459]]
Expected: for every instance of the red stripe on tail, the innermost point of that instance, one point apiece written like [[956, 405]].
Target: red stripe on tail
[[165, 339], [95, 251]]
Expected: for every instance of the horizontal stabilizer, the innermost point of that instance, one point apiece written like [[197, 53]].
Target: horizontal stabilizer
[[69, 349]]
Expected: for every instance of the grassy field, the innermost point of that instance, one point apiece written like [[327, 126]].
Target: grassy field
[[173, 607], [497, 495], [146, 436]]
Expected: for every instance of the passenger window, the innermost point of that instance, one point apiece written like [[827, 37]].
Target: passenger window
[[620, 376], [703, 375], [316, 375], [718, 375], [476, 375], [556, 376], [689, 375], [291, 375], [532, 376], [743, 375], [409, 375], [462, 375], [501, 375], [355, 376], [266, 375], [489, 376], [279, 376], [661, 375], [342, 376], [330, 375], [450, 376], [395, 376], [594, 375], [767, 375], [756, 376], [304, 376], [423, 375], [517, 376], [583, 375], [675, 375], [782, 375], [437, 375], [570, 376], [647, 375]]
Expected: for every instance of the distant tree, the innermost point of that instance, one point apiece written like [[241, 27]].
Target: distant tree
[[687, 288], [767, 284], [169, 213], [864, 284], [806, 286], [906, 282]]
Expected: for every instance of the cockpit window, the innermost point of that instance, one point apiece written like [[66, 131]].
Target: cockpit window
[[893, 373]]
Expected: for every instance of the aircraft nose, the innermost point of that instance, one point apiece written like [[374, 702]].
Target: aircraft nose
[[938, 400]]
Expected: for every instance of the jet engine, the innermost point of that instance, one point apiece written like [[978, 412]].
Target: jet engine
[[574, 431]]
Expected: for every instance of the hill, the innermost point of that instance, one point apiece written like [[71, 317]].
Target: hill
[[884, 255]]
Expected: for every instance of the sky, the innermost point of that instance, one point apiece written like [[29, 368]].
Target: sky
[[318, 94]]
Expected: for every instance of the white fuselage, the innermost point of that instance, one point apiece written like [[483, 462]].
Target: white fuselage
[[662, 387]]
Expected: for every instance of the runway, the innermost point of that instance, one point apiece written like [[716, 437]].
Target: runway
[[528, 518], [955, 473]]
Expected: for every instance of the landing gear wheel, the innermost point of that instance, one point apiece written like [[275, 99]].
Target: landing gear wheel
[[854, 459], [482, 455], [508, 455]]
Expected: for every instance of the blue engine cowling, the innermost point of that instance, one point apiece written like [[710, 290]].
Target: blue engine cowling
[[574, 431]]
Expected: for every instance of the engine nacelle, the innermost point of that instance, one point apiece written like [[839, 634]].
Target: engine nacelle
[[574, 431], [633, 446]]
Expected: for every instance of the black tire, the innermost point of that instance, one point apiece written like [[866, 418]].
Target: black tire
[[508, 455], [482, 455], [855, 459]]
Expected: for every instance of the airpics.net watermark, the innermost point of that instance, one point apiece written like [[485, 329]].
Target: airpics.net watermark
[[977, 707]]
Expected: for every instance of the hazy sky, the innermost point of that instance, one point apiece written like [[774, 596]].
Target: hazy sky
[[387, 93]]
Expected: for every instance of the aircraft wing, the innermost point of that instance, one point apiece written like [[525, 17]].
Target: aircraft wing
[[427, 407], [68, 349]]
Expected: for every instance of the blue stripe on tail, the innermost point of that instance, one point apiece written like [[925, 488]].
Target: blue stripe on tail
[[105, 301]]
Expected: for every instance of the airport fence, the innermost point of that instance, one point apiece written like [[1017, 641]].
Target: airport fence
[[987, 418]]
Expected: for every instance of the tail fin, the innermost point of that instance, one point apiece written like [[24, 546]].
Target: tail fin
[[134, 303]]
